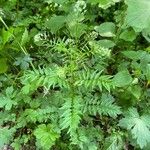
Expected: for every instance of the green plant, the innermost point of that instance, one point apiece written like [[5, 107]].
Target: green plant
[[75, 74]]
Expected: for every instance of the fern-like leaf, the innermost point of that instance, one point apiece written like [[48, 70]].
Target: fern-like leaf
[[70, 117], [104, 106], [47, 77], [91, 80]]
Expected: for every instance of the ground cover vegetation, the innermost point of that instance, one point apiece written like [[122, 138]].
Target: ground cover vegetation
[[75, 74]]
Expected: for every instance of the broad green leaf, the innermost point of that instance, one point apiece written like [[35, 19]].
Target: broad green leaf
[[6, 35], [128, 35], [122, 78], [139, 126], [55, 23], [135, 55], [106, 29], [46, 135], [106, 43], [3, 65], [138, 14]]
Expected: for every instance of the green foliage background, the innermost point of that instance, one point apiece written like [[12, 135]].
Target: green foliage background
[[75, 75]]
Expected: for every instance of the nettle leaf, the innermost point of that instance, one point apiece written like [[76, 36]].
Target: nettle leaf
[[23, 61], [106, 29], [122, 78], [3, 65], [46, 135], [138, 14], [25, 37], [139, 126], [55, 23], [7, 100]]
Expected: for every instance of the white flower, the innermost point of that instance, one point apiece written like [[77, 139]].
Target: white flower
[[80, 6], [37, 37], [69, 41]]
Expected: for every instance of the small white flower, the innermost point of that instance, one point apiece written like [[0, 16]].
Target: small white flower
[[37, 37], [80, 6], [69, 41], [93, 34]]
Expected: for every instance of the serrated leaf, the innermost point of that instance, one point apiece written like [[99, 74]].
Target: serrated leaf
[[46, 135], [25, 37], [114, 142], [139, 126], [107, 106], [7, 101], [70, 117], [5, 136]]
